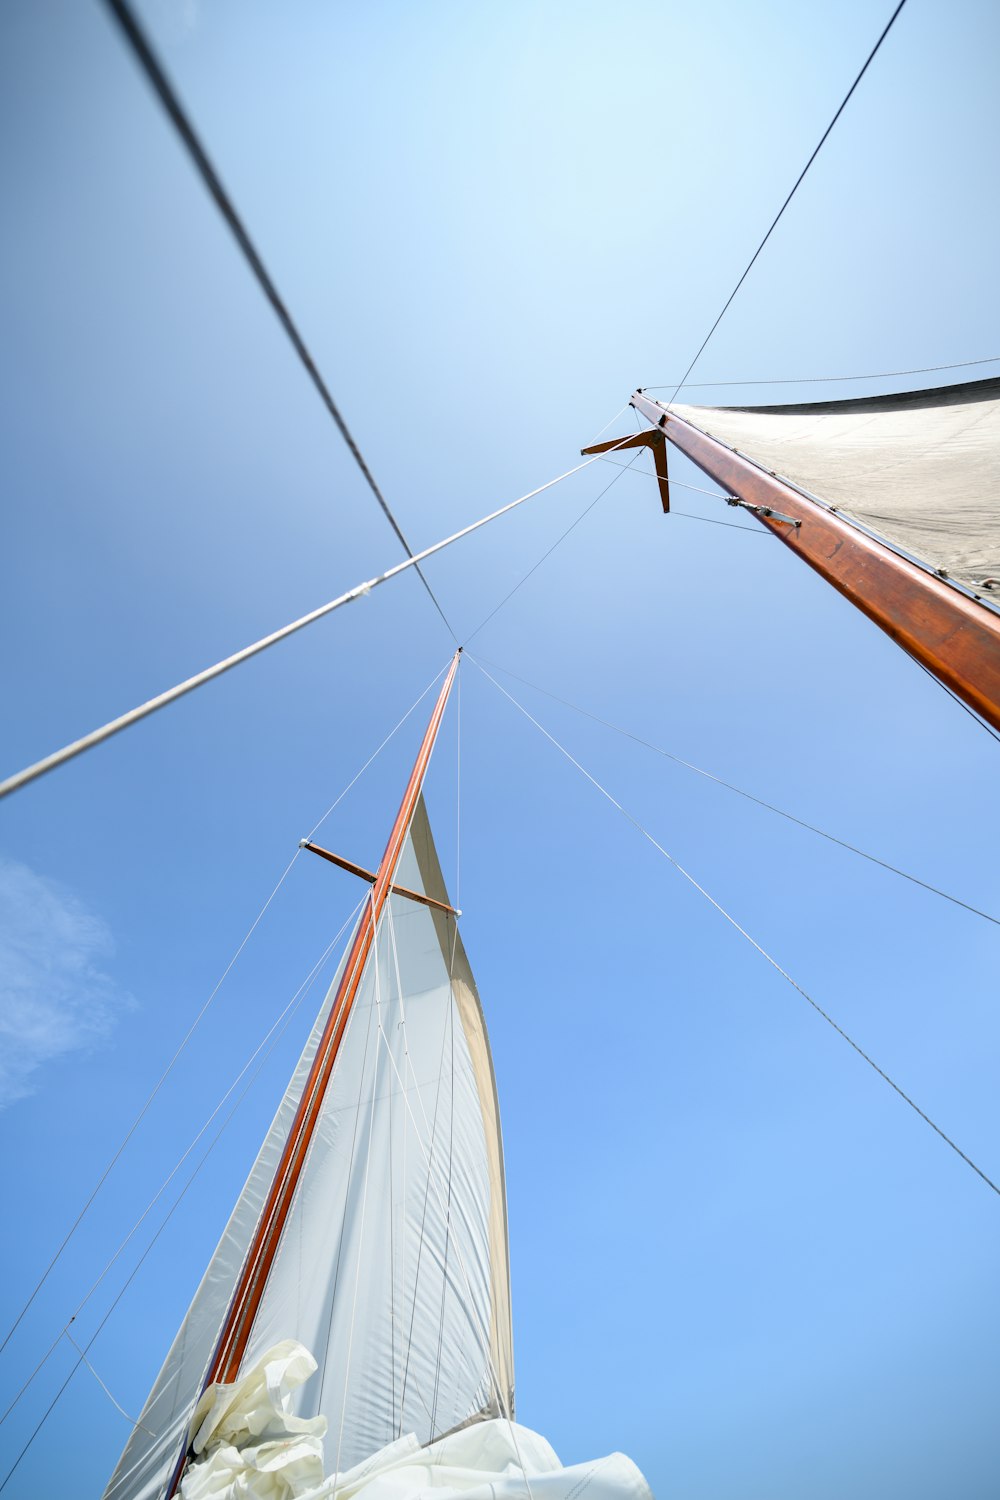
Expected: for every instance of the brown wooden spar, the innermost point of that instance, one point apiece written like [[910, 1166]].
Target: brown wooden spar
[[651, 439], [372, 875], [952, 635], [249, 1291]]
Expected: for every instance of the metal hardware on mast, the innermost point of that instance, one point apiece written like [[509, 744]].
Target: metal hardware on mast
[[252, 1281], [956, 638], [653, 440]]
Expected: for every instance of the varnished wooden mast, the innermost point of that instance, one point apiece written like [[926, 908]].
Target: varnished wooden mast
[[952, 635], [249, 1291]]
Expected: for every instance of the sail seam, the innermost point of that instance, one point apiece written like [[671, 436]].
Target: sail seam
[[473, 1311]]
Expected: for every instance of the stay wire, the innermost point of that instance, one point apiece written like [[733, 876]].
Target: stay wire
[[743, 932], [774, 223], [360, 591], [151, 66], [557, 543], [135, 1270], [750, 797], [132, 1421], [281, 1022], [201, 1015], [678, 484], [954, 697], [704, 385], [145, 1108]]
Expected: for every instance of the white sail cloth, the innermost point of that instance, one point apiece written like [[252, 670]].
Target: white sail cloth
[[248, 1446], [921, 469], [392, 1265]]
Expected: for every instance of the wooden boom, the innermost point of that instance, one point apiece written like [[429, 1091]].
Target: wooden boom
[[952, 635]]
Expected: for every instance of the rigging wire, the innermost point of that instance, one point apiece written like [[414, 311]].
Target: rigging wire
[[774, 223], [126, 720], [689, 515], [954, 696], [703, 385], [743, 932], [558, 542], [169, 1215], [679, 484], [132, 1421], [153, 69], [604, 429], [144, 1110], [285, 1016], [201, 1014], [741, 792]]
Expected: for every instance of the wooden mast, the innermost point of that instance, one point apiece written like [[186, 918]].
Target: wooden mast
[[249, 1291], [952, 635]]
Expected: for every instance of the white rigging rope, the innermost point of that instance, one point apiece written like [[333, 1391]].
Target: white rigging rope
[[152, 705], [740, 929]]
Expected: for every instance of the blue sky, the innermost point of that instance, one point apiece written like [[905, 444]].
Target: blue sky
[[735, 1254]]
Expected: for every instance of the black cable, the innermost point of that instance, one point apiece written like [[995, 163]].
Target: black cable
[[147, 59], [781, 210]]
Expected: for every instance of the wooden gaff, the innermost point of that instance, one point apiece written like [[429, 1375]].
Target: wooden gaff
[[952, 635]]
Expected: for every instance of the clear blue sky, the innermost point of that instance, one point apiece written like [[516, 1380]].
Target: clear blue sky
[[736, 1255]]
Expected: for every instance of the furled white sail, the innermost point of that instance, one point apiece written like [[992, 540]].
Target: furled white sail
[[248, 1446], [392, 1267], [921, 469]]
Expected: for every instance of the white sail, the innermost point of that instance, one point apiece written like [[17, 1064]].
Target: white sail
[[392, 1267], [921, 468]]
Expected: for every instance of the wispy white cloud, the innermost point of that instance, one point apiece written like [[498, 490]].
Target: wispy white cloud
[[55, 997]]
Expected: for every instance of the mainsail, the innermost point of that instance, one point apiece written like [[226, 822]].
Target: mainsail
[[920, 468], [393, 1263], [894, 500]]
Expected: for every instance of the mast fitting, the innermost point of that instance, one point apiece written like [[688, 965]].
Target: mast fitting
[[761, 510], [652, 439]]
